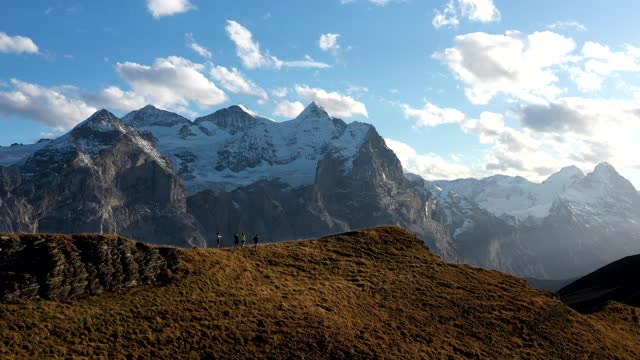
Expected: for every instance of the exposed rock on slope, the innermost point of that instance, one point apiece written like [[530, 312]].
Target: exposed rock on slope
[[617, 281], [367, 294], [565, 227], [64, 267], [301, 178], [364, 190], [102, 176]]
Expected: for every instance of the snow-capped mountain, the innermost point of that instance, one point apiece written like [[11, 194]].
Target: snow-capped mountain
[[230, 171], [159, 177], [102, 176], [515, 197], [235, 147], [570, 224]]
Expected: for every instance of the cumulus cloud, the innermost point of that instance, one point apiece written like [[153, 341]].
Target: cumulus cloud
[[235, 82], [335, 103], [514, 64], [201, 50], [160, 8], [567, 131], [483, 11], [112, 98], [582, 116], [600, 63], [252, 57], [562, 25], [62, 107], [17, 44], [288, 109], [432, 115], [430, 166], [47, 105], [171, 82], [329, 42]]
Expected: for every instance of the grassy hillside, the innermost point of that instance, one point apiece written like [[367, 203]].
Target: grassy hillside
[[369, 294]]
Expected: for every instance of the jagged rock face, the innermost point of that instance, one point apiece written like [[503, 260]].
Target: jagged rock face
[[373, 182], [305, 177], [476, 236], [58, 267], [565, 227], [103, 176], [347, 194]]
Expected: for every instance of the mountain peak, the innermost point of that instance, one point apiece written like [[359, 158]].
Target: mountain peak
[[567, 173], [313, 111], [101, 120], [149, 107], [153, 116], [605, 168], [243, 108]]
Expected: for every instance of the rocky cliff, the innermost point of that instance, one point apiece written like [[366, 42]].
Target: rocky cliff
[[103, 177], [61, 267]]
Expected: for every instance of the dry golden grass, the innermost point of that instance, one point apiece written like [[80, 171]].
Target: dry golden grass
[[370, 294]]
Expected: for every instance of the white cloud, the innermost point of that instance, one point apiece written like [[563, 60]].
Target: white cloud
[[601, 63], [248, 50], [430, 166], [171, 82], [308, 62], [47, 105], [160, 8], [288, 109], [234, 81], [474, 10], [567, 131], [329, 42], [17, 44], [432, 115], [561, 25], [280, 92], [514, 64], [113, 98], [335, 103], [201, 50]]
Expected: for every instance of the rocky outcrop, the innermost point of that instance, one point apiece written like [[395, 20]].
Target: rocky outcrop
[[64, 267]]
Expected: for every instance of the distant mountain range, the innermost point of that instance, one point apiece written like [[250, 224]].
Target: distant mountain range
[[564, 227], [159, 177]]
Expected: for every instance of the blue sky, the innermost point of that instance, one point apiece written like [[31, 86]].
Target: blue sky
[[458, 87]]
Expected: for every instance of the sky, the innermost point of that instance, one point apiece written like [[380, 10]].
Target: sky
[[458, 88]]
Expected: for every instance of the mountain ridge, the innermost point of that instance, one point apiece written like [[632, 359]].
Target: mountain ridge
[[375, 293]]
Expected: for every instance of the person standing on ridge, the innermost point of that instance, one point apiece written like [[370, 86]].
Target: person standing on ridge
[[219, 239], [256, 240], [243, 238], [236, 240]]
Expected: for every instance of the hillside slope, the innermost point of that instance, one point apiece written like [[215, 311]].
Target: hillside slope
[[375, 293], [617, 281]]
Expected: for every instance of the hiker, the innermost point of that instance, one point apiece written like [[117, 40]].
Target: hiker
[[243, 238], [236, 240], [219, 239], [256, 240]]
